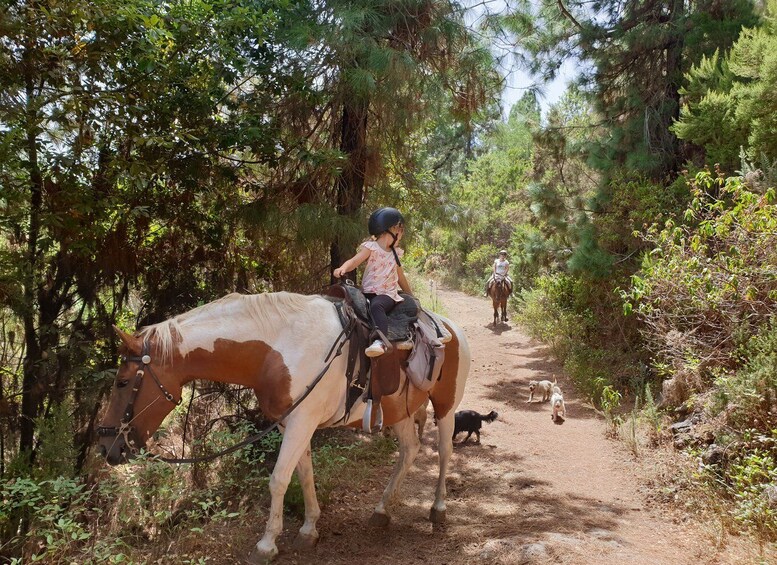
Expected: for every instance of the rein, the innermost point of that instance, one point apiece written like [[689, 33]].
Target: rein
[[145, 360]]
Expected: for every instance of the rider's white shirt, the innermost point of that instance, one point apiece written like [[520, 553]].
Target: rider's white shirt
[[500, 266]]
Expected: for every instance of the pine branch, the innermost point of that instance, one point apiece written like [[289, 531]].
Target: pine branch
[[568, 15]]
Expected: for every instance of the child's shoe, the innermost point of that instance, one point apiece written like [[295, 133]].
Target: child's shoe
[[405, 345], [376, 349]]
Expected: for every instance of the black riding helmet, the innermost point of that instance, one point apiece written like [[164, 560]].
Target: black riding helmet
[[384, 218], [380, 222]]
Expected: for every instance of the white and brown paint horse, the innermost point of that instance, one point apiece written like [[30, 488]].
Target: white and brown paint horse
[[276, 344]]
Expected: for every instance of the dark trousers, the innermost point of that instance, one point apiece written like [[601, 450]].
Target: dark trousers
[[380, 306]]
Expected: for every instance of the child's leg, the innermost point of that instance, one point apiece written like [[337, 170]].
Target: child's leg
[[380, 306]]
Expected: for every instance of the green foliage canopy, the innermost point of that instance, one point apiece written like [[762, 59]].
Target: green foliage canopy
[[729, 102]]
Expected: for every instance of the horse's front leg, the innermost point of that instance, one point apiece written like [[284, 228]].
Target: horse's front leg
[[445, 449], [296, 440], [408, 449], [504, 311], [308, 535], [496, 314]]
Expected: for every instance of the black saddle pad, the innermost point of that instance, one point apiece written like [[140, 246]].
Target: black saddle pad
[[401, 318]]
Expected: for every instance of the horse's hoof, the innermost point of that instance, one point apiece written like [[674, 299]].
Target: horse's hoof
[[437, 516], [379, 520], [259, 557], [304, 542]]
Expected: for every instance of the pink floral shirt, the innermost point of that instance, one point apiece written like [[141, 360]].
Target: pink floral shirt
[[380, 274]]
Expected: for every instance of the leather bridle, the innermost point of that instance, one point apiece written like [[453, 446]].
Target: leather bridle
[[125, 429]]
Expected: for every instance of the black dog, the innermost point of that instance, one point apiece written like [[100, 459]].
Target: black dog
[[470, 421]]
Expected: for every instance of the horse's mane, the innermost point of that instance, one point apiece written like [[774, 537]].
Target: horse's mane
[[265, 310]]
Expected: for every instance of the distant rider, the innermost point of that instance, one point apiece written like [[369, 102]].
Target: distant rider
[[500, 269]]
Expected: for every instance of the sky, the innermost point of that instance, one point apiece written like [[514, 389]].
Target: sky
[[516, 80]]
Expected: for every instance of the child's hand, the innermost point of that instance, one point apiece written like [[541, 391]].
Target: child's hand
[[338, 272]]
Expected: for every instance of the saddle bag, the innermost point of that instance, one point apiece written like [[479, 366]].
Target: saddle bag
[[425, 362]]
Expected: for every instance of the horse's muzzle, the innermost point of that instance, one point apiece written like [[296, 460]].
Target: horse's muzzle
[[117, 453]]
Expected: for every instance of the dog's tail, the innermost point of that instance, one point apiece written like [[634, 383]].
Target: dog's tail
[[490, 417], [554, 380]]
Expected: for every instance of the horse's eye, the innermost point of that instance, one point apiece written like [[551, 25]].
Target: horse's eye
[[122, 383]]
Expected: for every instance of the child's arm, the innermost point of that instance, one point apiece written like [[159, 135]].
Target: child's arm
[[352, 263], [403, 284]]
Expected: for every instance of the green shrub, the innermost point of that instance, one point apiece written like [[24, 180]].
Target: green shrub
[[610, 402], [480, 260], [742, 486], [135, 509], [752, 475], [652, 417], [46, 517], [710, 283], [558, 311], [547, 312], [747, 396]]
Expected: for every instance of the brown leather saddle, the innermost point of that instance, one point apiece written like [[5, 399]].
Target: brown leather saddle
[[378, 376]]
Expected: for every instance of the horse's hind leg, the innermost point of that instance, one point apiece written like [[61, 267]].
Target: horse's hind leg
[[308, 535], [296, 440], [408, 449], [445, 449]]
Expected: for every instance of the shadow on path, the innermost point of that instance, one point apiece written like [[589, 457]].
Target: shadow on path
[[484, 502]]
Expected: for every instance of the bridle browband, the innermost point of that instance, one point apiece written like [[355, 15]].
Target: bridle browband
[[125, 429]]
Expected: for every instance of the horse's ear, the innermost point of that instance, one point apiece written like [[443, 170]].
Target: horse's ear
[[128, 340]]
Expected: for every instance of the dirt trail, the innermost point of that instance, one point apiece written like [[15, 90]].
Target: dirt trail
[[531, 492]]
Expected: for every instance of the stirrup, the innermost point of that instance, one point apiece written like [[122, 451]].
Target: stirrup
[[367, 418]]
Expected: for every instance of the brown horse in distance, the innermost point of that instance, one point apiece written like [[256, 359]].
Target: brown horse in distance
[[499, 291]]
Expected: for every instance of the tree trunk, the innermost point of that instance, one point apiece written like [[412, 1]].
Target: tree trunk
[[350, 182], [32, 354], [674, 77]]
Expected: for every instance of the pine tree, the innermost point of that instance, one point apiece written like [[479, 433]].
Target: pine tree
[[729, 104], [632, 56]]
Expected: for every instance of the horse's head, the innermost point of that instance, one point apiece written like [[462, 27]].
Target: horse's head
[[499, 288], [144, 392]]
